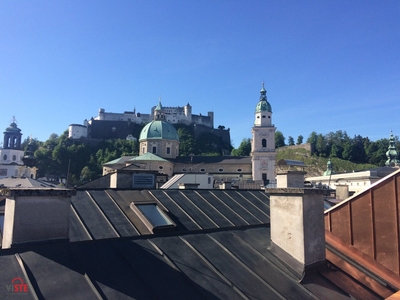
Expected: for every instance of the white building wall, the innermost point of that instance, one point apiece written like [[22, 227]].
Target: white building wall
[[11, 156], [76, 131]]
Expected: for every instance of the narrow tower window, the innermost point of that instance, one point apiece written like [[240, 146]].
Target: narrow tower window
[[264, 143]]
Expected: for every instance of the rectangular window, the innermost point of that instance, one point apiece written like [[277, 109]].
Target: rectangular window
[[154, 150], [168, 150], [155, 215]]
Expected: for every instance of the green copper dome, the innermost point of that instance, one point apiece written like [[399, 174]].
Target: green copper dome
[[158, 130], [263, 104], [13, 128]]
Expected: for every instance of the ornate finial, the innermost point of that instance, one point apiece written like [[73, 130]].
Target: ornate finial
[[14, 120], [263, 91]]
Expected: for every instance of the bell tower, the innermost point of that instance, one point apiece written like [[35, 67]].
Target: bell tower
[[263, 155], [12, 137]]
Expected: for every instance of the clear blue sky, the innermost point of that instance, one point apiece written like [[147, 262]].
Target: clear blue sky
[[327, 65]]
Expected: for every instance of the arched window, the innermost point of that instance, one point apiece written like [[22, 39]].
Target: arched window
[[264, 143]]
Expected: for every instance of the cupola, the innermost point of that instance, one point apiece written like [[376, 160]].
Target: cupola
[[263, 105], [263, 110], [159, 111], [12, 137]]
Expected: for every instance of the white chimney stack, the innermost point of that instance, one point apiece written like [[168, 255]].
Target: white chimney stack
[[297, 222]]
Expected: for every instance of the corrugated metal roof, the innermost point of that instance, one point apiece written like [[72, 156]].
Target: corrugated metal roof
[[231, 264], [219, 249]]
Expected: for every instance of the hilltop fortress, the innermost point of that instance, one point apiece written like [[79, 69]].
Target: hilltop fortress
[[127, 125]]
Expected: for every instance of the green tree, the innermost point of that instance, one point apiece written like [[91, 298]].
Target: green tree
[[244, 148], [208, 143], [312, 139], [187, 144], [290, 141], [321, 146], [87, 174], [299, 140], [279, 139], [376, 152]]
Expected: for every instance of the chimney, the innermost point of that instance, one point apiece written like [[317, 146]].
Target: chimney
[[297, 223], [226, 185], [342, 191], [35, 215]]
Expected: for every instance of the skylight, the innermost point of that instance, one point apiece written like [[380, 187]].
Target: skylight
[[155, 215]]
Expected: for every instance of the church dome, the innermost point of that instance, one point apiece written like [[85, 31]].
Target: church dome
[[263, 105], [13, 128], [159, 130]]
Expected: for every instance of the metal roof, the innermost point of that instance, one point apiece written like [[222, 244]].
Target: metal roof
[[289, 163], [158, 130], [219, 249], [147, 156]]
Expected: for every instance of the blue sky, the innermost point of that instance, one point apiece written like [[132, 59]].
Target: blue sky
[[327, 65]]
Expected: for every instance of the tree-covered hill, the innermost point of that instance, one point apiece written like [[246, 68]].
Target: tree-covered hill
[[316, 165]]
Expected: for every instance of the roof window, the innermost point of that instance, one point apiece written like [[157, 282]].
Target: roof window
[[153, 217]]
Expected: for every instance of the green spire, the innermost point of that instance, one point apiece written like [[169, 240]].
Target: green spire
[[159, 106], [263, 104], [391, 154], [329, 168]]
